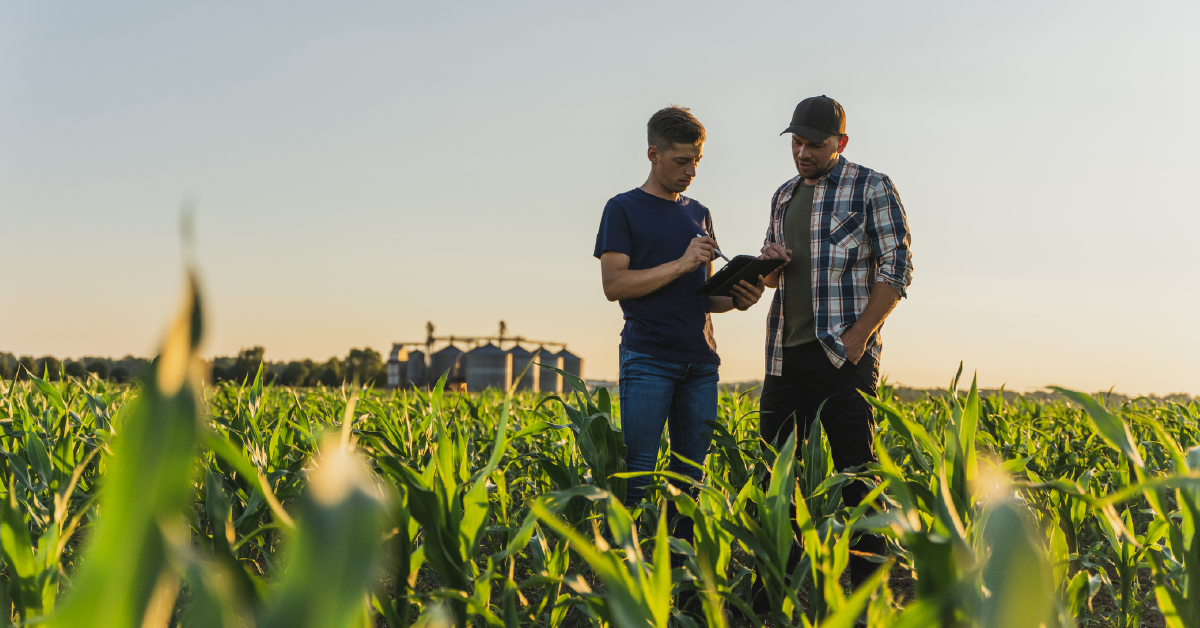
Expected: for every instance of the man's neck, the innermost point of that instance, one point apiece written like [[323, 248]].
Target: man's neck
[[652, 188]]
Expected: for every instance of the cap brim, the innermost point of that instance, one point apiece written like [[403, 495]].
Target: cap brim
[[807, 133]]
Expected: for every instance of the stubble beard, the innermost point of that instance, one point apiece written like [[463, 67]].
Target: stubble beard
[[820, 171]]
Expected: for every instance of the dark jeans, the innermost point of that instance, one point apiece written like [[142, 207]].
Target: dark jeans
[[680, 395], [790, 401]]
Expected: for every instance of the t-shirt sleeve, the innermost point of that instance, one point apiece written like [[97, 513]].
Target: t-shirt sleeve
[[614, 234]]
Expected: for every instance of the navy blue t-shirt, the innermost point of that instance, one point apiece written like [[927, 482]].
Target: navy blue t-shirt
[[673, 322]]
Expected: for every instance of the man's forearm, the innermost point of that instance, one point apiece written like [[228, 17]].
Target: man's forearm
[[718, 305], [882, 301], [772, 280], [631, 284]]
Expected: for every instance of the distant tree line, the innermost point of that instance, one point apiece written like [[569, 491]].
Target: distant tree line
[[366, 365], [51, 368]]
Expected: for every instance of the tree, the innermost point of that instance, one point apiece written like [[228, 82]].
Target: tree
[[99, 367], [365, 364], [48, 368], [295, 374], [245, 367], [315, 373], [119, 375], [75, 369], [25, 367], [8, 365], [331, 372], [134, 367]]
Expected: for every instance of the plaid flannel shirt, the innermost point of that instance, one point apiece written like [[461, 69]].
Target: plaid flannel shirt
[[859, 237]]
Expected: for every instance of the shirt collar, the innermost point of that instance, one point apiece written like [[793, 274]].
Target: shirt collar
[[835, 175]]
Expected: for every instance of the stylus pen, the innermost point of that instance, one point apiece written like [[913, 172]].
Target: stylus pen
[[717, 251]]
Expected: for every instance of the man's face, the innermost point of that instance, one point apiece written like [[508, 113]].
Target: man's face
[[814, 159], [675, 168]]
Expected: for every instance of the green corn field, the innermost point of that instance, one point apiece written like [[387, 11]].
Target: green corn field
[[172, 503]]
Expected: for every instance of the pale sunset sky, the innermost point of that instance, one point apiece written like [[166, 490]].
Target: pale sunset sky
[[359, 168]]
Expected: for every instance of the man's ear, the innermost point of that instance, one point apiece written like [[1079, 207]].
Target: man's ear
[[652, 154], [842, 141]]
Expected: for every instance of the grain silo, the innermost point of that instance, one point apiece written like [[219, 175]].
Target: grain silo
[[397, 366], [572, 364], [548, 381], [522, 360], [488, 366], [448, 359], [415, 369]]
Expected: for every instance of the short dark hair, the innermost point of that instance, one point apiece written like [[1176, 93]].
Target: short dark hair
[[673, 125]]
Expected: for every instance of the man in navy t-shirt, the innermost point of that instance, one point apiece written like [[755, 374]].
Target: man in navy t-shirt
[[655, 249]]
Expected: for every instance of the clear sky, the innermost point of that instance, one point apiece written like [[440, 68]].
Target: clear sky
[[359, 168]]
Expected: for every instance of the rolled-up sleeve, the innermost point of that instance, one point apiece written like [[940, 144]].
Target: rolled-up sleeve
[[887, 229]]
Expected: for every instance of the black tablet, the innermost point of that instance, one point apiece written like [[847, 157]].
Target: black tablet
[[738, 268]]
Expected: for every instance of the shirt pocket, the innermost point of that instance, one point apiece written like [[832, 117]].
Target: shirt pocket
[[846, 229]]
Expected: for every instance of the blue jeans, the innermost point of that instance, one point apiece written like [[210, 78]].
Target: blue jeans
[[654, 391]]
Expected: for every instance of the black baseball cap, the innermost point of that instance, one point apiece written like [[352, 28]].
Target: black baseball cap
[[817, 118]]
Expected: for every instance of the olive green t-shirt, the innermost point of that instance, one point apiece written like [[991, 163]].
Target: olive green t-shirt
[[798, 325]]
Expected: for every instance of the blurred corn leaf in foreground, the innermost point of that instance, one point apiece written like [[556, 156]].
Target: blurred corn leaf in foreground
[[141, 552], [336, 543], [126, 578]]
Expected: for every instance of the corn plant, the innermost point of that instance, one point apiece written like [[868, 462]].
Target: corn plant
[[169, 502]]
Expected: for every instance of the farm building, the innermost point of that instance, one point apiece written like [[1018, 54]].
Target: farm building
[[481, 362]]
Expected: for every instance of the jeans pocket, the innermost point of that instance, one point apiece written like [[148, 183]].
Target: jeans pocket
[[866, 372]]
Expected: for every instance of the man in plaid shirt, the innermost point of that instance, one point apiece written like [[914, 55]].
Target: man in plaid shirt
[[843, 232]]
